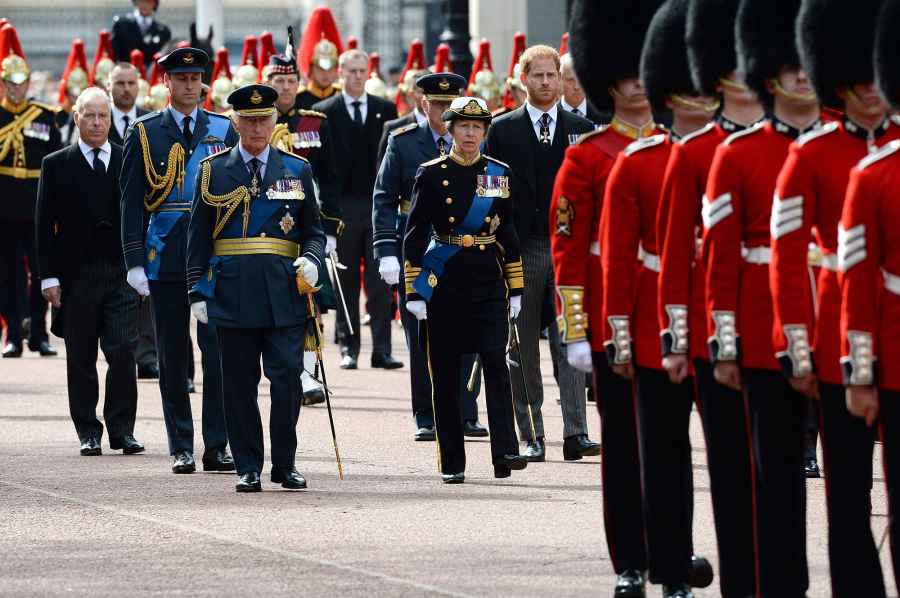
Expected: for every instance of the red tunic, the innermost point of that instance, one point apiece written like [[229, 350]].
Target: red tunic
[[809, 197], [869, 254], [627, 230]]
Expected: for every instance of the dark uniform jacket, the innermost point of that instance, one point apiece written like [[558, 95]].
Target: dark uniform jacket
[[310, 95], [159, 173], [114, 136], [27, 133], [126, 36], [391, 126], [246, 275]]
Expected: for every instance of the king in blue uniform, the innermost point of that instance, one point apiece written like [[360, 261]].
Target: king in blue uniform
[[160, 167], [255, 235]]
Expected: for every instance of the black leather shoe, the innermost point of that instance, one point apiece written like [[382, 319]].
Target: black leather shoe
[[148, 372], [425, 434], [127, 443], [348, 362], [504, 465], [630, 584], [183, 462], [288, 477], [43, 348], [453, 478], [535, 451], [12, 350], [385, 361], [314, 396], [701, 575], [811, 468], [473, 429], [190, 387], [681, 590], [249, 482], [217, 459], [90, 447], [578, 446]]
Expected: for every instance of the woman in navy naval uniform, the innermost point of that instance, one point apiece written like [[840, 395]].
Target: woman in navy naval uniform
[[464, 275]]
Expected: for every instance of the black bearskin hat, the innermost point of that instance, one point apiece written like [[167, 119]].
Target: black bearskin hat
[[605, 40], [765, 42], [887, 53], [664, 66], [710, 42], [836, 43]]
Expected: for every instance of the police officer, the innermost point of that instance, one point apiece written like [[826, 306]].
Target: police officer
[[463, 271], [254, 221], [408, 147], [162, 157]]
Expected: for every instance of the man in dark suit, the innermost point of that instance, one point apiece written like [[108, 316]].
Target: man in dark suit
[[83, 275], [573, 99], [139, 30], [357, 119], [533, 139]]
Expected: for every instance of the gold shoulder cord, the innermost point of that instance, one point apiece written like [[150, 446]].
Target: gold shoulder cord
[[281, 138], [229, 202], [160, 186], [11, 136]]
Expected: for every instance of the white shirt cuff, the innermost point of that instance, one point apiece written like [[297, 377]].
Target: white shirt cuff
[[49, 283]]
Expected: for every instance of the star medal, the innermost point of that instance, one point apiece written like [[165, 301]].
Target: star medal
[[287, 223]]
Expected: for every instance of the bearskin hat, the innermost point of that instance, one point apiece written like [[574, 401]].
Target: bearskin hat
[[710, 42], [836, 44], [605, 41], [765, 42], [887, 52], [664, 65]]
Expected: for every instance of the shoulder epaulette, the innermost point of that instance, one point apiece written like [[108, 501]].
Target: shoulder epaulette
[[698, 133], [46, 107], [212, 114], [589, 134], [496, 161], [290, 155], [404, 129], [748, 131], [149, 116], [437, 160], [314, 113], [215, 155], [816, 133], [882, 153], [644, 143]]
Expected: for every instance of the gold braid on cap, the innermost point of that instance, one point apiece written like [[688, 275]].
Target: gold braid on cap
[[160, 186], [229, 202]]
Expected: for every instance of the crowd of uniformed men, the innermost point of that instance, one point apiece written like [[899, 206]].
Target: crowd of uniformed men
[[743, 257]]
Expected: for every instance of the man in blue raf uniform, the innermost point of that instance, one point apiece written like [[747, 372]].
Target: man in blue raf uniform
[[408, 148], [254, 222], [161, 162]]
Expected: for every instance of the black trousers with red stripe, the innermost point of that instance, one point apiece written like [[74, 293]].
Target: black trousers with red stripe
[[890, 435], [622, 509]]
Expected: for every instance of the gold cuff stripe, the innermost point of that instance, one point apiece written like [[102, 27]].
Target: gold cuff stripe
[[256, 246], [572, 321]]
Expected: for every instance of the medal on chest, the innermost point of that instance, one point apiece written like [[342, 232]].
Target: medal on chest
[[287, 223], [286, 189], [492, 186]]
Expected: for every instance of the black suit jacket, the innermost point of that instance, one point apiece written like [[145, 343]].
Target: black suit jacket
[[126, 36], [378, 112], [389, 126], [114, 136], [512, 139]]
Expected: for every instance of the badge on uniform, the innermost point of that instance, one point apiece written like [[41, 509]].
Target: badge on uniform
[[306, 139], [214, 145], [287, 223], [38, 131], [492, 186], [565, 215], [495, 223], [286, 189]]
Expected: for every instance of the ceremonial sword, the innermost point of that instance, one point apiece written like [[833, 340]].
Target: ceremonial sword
[[521, 365]]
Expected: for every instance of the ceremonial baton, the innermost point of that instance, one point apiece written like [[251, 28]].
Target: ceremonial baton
[[521, 364], [473, 376], [335, 266], [306, 289]]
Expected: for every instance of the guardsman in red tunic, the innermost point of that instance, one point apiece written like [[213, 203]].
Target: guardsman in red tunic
[[614, 30], [869, 260], [681, 308], [630, 328], [736, 213], [836, 50]]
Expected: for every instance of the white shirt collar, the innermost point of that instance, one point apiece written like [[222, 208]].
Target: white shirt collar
[[247, 156], [420, 116], [582, 107], [179, 117], [88, 152], [141, 19], [536, 114], [348, 99], [131, 114]]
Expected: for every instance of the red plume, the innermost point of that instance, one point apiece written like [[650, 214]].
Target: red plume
[[564, 44], [266, 50], [518, 49], [482, 61], [442, 62], [248, 55], [221, 68], [137, 61], [156, 71], [104, 50], [77, 59], [352, 43], [320, 25]]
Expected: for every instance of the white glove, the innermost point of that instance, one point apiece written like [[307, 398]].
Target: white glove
[[307, 270], [515, 306], [199, 311], [137, 280], [389, 268], [418, 309], [330, 244], [579, 356]]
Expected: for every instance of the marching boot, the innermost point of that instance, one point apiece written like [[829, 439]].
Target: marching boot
[[313, 394], [629, 584], [701, 575]]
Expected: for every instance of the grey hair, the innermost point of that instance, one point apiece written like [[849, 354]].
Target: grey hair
[[91, 93], [352, 55]]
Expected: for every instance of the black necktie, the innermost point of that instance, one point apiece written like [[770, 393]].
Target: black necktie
[[545, 129], [442, 146], [125, 122], [186, 129], [576, 111], [357, 113], [99, 166]]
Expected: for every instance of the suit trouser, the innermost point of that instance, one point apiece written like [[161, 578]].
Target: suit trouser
[[778, 424], [100, 306], [539, 281], [15, 235], [172, 319], [725, 417], [664, 417], [241, 349], [354, 246], [847, 445], [623, 515], [145, 352], [890, 432]]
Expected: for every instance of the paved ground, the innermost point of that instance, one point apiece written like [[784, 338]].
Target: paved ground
[[117, 525]]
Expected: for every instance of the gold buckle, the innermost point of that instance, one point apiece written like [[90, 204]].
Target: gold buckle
[[468, 240]]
